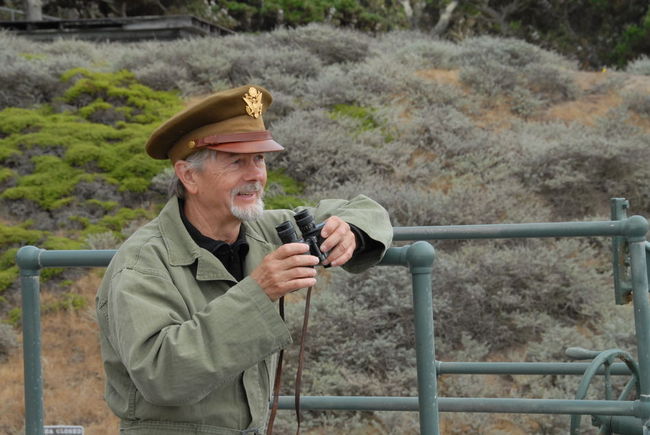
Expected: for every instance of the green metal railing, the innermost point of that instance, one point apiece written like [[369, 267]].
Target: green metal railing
[[631, 264]]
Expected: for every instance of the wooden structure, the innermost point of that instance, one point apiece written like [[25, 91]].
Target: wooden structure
[[125, 29]]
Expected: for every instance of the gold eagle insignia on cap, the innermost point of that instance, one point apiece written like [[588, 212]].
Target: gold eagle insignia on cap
[[253, 99]]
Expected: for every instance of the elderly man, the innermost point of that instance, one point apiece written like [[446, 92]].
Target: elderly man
[[187, 312]]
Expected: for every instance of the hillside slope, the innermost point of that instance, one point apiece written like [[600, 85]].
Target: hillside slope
[[487, 131]]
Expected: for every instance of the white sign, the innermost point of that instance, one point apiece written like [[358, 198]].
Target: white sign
[[64, 430]]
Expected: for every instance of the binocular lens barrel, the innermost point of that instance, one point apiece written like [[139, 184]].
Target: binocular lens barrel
[[305, 221], [286, 233], [310, 233]]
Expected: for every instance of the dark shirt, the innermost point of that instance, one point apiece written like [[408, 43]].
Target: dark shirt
[[232, 256]]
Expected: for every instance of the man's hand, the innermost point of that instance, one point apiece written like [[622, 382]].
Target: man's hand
[[339, 243], [285, 270]]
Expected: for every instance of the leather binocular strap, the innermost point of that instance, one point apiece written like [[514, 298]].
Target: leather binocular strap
[[301, 358], [278, 369], [277, 381]]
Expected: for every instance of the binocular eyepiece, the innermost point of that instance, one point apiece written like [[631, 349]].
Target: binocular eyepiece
[[309, 230]]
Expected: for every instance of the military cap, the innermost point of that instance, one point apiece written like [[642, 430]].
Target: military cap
[[229, 121]]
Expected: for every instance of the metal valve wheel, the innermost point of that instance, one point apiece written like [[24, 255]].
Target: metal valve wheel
[[606, 359]]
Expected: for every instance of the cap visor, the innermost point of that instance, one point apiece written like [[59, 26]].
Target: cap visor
[[258, 146]]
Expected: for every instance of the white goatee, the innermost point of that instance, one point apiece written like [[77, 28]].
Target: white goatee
[[253, 211]]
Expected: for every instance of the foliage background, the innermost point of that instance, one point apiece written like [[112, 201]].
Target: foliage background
[[595, 33], [486, 130]]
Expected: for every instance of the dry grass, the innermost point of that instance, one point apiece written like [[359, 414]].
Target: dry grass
[[73, 376], [593, 105], [447, 77]]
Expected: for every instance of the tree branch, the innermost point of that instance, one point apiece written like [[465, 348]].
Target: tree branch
[[445, 17]]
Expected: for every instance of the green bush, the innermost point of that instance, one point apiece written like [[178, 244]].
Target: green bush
[[109, 157], [49, 185], [67, 302], [8, 276]]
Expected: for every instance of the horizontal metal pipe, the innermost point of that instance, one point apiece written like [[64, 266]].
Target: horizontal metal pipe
[[465, 404], [36, 258], [395, 256], [538, 406], [31, 257], [522, 368], [633, 226], [351, 403], [84, 258]]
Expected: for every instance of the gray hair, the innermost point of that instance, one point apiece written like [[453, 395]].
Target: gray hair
[[195, 162]]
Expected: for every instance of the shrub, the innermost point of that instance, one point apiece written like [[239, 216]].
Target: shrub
[[487, 295], [377, 357], [85, 160], [162, 75], [332, 86], [282, 191], [29, 71], [524, 103], [441, 130], [639, 66], [563, 163], [550, 83], [67, 302], [24, 84], [505, 287], [8, 276], [511, 53], [312, 135], [638, 103], [416, 50], [283, 68], [138, 103], [8, 341], [50, 185], [105, 240], [329, 44], [453, 204], [193, 66], [495, 66]]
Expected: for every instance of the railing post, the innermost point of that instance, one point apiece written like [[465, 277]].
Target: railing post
[[28, 262], [420, 257], [641, 313], [647, 258], [636, 229]]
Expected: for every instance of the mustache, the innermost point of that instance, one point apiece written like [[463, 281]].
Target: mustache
[[248, 188]]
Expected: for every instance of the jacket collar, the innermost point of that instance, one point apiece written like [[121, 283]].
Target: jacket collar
[[183, 251]]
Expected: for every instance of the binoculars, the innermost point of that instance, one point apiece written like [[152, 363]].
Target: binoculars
[[310, 234]]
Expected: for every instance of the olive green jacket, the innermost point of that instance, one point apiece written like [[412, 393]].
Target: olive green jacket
[[187, 348]]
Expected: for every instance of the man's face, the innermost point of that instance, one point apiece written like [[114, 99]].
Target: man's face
[[232, 185]]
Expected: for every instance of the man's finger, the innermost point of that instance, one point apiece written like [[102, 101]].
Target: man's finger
[[339, 255], [337, 232], [330, 225], [299, 261], [291, 249]]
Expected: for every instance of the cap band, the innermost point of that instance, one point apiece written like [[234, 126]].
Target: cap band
[[250, 136]]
